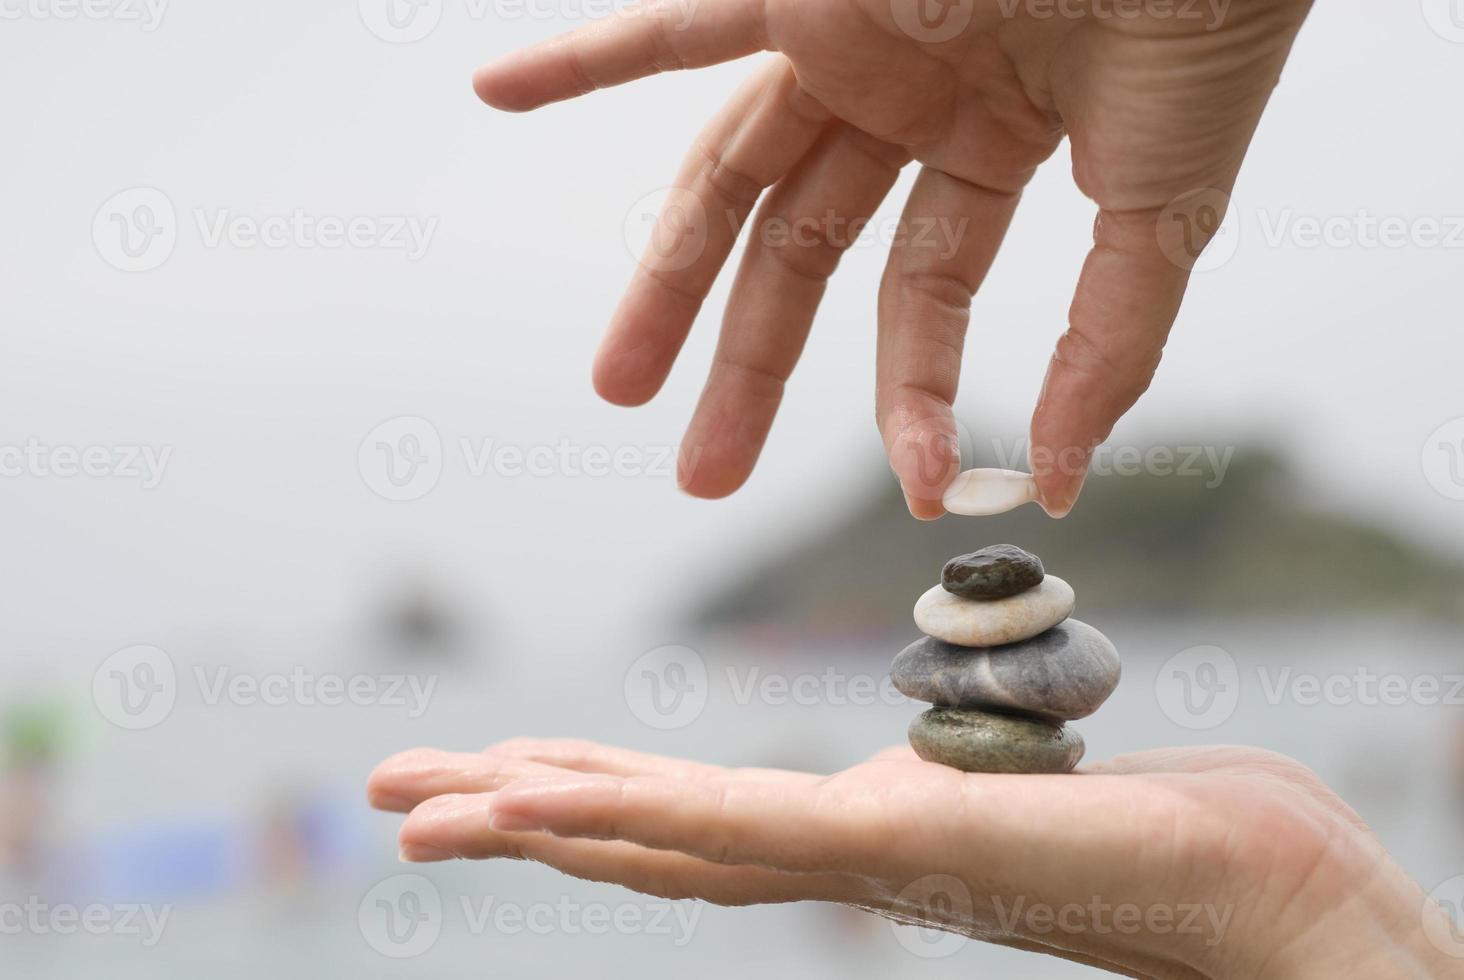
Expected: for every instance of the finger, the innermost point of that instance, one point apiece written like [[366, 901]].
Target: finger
[[801, 231], [780, 825], [757, 138], [651, 37], [953, 229], [449, 827], [592, 757], [841, 823], [458, 826], [406, 779], [1127, 298]]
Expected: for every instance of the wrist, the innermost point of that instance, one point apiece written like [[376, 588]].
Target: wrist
[[1388, 928]]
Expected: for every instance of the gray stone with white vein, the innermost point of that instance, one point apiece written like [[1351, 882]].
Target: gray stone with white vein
[[1064, 673]]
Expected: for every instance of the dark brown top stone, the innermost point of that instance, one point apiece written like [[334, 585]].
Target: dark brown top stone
[[994, 572]]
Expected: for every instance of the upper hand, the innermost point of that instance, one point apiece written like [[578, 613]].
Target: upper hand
[[980, 92]]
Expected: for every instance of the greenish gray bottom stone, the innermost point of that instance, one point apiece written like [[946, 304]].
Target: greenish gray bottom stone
[[980, 741]]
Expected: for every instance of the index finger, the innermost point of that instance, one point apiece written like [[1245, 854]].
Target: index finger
[[778, 825], [645, 39], [924, 309]]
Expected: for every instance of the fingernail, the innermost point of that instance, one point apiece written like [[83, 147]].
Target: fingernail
[[1060, 504], [1054, 510], [922, 510], [687, 459], [423, 854], [512, 823], [391, 803]]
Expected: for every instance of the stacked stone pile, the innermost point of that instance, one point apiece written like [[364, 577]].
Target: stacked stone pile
[[1004, 666]]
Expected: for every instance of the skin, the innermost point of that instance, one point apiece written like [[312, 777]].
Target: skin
[[1160, 111], [1158, 107], [1297, 884]]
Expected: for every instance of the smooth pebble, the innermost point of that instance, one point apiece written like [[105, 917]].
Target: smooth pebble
[[1064, 673], [994, 572], [982, 493], [994, 622], [980, 741]]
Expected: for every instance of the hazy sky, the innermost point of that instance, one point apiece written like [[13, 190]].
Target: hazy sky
[[261, 369]]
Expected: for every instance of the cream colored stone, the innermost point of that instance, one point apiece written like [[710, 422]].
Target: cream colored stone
[[993, 622], [982, 493]]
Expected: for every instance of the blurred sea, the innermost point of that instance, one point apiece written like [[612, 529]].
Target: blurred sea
[[247, 821]]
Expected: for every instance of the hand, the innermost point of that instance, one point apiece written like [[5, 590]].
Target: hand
[[1257, 868], [1159, 104]]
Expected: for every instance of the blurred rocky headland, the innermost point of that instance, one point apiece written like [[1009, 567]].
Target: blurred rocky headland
[[1231, 535]]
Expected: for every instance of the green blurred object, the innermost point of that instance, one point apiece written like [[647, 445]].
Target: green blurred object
[[34, 733]]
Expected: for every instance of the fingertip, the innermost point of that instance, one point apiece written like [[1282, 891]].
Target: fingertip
[[423, 854], [641, 343], [381, 789], [926, 457], [1057, 493], [924, 510], [502, 87], [386, 800], [619, 383], [727, 433], [489, 88], [1055, 511], [1060, 448], [417, 844], [709, 478]]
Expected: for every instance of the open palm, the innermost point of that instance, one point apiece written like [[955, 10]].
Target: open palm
[[1160, 101], [1233, 859]]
